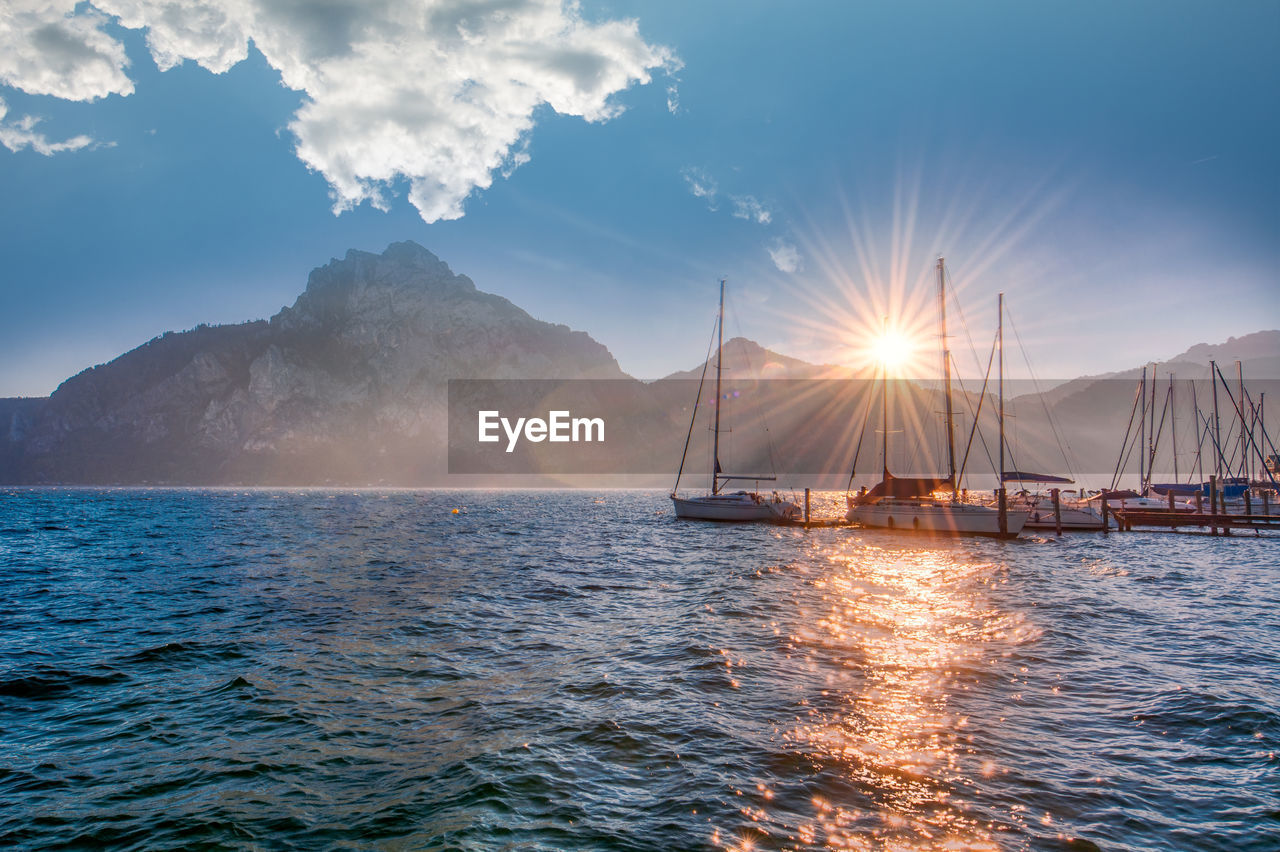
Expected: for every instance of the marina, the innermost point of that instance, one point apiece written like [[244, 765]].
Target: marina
[[1239, 495]]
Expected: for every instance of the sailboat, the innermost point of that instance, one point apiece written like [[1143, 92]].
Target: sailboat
[[908, 503], [1071, 512], [737, 505]]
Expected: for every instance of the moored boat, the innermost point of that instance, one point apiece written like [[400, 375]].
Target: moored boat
[[910, 503], [898, 503], [1070, 514], [738, 505]]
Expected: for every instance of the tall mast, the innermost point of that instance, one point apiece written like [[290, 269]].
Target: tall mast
[[1195, 407], [1244, 427], [1004, 513], [1255, 429], [1173, 426], [1151, 429], [946, 377], [1142, 435], [1217, 423], [715, 441], [884, 408]]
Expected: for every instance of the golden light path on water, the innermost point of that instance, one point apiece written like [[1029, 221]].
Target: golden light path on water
[[900, 628]]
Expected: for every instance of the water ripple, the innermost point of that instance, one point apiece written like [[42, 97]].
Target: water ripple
[[573, 670]]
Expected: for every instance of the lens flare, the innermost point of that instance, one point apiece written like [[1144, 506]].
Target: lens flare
[[893, 349]]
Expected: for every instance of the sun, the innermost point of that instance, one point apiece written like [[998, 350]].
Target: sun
[[893, 349]]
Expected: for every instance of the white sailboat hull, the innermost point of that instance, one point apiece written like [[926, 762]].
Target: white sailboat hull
[[734, 507], [937, 518], [1041, 518], [1075, 516]]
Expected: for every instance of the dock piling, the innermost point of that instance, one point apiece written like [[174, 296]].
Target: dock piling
[[1213, 504]]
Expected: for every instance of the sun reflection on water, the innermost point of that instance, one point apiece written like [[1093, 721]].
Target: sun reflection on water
[[895, 634]]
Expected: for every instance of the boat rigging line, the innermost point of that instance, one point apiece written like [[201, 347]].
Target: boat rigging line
[[696, 402]]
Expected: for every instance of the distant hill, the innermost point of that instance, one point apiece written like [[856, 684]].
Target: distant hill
[[743, 358], [1259, 346]]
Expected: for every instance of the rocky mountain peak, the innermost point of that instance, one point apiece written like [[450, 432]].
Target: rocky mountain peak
[[404, 277]]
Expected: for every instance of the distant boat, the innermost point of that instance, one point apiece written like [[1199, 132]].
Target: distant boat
[[908, 504], [738, 505]]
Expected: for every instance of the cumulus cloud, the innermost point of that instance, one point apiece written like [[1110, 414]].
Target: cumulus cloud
[[785, 256], [48, 48], [747, 207], [20, 134], [439, 94]]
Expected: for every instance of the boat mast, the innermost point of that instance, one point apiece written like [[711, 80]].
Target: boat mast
[[1142, 436], [884, 406], [1217, 423], [1151, 432], [1244, 427], [1173, 426], [1195, 407], [946, 377], [715, 440], [1004, 508]]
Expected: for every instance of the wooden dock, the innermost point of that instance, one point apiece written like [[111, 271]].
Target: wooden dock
[[1217, 523], [817, 522]]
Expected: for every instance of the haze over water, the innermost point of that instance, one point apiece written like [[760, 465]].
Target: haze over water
[[577, 670]]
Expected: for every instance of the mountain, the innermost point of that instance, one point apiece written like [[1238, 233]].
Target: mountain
[[1259, 346], [743, 358], [346, 385]]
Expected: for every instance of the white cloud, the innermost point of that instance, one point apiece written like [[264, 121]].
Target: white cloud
[[440, 94], [785, 256], [47, 48], [673, 99], [747, 207], [20, 134], [702, 185]]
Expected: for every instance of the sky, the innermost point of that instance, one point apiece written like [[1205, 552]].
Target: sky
[[1111, 167]]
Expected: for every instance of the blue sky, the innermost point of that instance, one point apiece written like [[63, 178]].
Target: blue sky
[[1112, 167]]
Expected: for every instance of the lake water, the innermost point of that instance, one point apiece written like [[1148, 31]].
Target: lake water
[[578, 670]]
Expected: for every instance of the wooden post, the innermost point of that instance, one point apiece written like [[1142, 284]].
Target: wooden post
[[1248, 503], [1200, 501], [1105, 523], [1222, 505], [1213, 505], [1170, 499], [1057, 510], [806, 506]]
